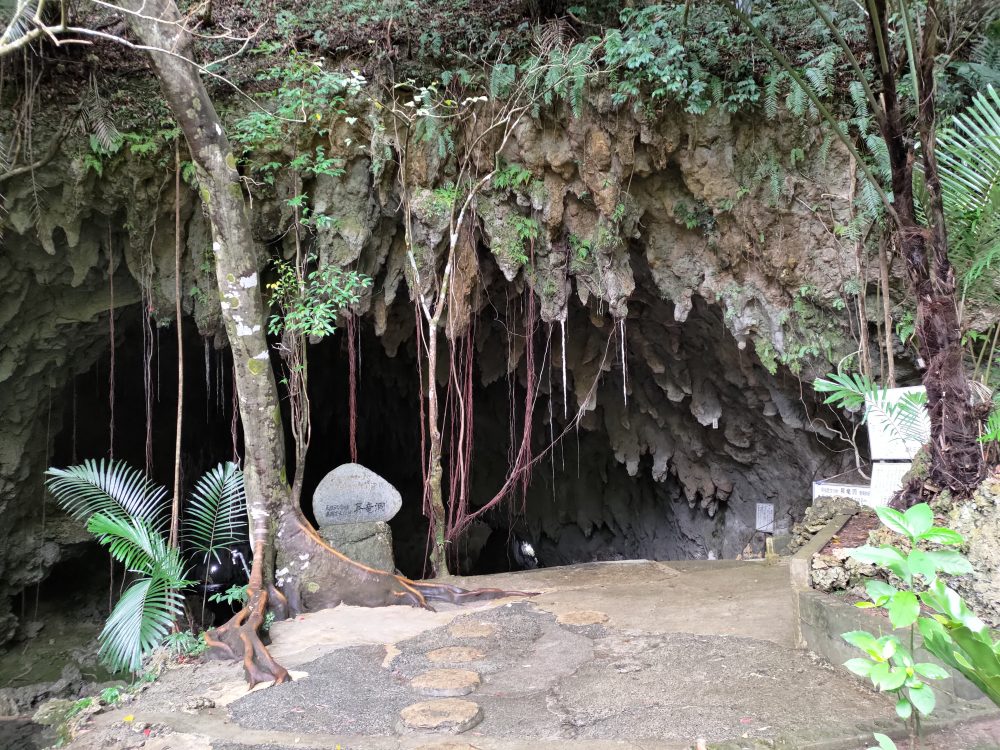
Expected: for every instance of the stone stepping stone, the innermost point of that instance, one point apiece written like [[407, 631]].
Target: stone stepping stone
[[445, 683], [448, 715], [455, 655], [582, 617], [471, 630]]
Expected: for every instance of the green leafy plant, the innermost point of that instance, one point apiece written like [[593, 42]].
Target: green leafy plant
[[111, 695], [185, 643], [852, 391], [950, 631], [309, 305], [232, 595], [511, 177], [127, 513], [79, 707]]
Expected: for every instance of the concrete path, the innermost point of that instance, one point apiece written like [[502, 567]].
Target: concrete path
[[609, 655]]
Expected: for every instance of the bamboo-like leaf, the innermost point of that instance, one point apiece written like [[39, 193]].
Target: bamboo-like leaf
[[113, 489]]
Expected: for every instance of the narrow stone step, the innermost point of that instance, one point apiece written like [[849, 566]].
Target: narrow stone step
[[582, 617], [455, 655], [445, 683], [445, 715], [471, 630]]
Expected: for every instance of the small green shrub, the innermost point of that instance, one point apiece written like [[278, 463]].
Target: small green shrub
[[951, 632]]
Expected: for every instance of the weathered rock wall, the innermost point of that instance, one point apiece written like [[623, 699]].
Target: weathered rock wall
[[653, 232]]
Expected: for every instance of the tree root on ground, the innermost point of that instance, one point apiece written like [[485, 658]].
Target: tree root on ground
[[316, 576], [240, 639]]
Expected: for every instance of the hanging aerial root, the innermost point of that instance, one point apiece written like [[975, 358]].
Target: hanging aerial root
[[240, 639]]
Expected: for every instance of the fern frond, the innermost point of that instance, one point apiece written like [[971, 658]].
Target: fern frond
[[97, 120], [771, 95], [859, 100], [502, 79]]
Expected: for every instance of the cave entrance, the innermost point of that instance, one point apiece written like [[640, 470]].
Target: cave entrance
[[670, 460], [683, 435]]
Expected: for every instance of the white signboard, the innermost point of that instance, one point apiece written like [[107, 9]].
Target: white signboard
[[830, 488], [765, 517], [886, 480], [893, 439]]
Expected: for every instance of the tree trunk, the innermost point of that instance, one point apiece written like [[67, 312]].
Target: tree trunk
[[243, 312], [434, 497], [311, 574], [956, 462]]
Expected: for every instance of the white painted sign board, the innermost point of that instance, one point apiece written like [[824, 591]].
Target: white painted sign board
[[887, 444], [765, 517], [830, 488], [887, 478]]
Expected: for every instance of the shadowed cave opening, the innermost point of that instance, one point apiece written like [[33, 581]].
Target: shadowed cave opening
[[671, 469]]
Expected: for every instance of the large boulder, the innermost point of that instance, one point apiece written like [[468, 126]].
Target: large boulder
[[367, 543], [352, 494]]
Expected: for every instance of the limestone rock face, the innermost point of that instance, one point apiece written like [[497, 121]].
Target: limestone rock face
[[367, 543], [979, 522], [667, 279], [353, 494]]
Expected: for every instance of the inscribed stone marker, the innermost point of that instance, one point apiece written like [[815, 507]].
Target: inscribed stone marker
[[353, 494]]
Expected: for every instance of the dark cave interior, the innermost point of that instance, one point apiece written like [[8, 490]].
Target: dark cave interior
[[587, 500]]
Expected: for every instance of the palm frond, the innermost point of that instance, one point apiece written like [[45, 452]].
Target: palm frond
[[20, 21], [144, 614], [852, 391], [113, 489], [968, 153], [139, 622], [969, 156], [216, 514], [138, 546]]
